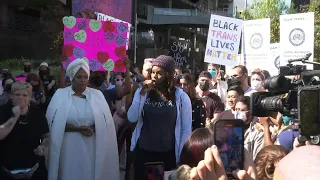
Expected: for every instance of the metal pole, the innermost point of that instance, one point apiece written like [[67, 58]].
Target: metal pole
[[135, 31]]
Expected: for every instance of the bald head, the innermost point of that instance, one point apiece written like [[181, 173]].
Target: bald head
[[301, 163]]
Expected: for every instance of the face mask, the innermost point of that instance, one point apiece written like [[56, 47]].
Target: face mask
[[235, 82], [204, 86], [119, 83], [240, 115], [42, 73], [256, 85], [213, 73], [27, 69], [35, 87], [286, 120]]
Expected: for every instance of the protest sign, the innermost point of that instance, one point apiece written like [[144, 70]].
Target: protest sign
[[296, 36], [179, 51], [101, 43], [223, 40], [256, 38], [104, 17], [20, 78], [273, 67]]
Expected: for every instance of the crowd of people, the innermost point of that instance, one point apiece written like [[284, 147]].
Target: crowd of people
[[92, 125]]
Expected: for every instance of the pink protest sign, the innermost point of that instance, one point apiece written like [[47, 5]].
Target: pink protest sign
[[20, 78], [101, 43]]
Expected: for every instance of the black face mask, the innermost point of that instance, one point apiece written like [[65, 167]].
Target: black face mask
[[43, 73], [35, 87], [235, 82], [204, 86], [27, 69]]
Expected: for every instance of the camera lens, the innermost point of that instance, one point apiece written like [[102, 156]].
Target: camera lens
[[273, 103]]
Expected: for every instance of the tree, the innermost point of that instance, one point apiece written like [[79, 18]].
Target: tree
[[268, 9], [51, 24], [314, 6]]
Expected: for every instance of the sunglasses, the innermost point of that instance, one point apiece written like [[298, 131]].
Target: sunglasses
[[119, 79]]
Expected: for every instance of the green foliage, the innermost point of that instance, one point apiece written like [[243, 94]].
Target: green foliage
[[314, 6], [51, 23], [268, 9], [12, 64]]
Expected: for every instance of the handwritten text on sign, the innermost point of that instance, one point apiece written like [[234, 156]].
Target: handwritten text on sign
[[102, 44], [179, 51], [223, 40]]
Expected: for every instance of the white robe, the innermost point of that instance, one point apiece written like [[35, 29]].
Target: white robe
[[105, 158]]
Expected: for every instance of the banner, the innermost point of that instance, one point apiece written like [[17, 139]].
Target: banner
[[273, 68], [256, 37], [223, 40], [120, 9], [101, 43], [104, 17], [179, 51], [296, 36]]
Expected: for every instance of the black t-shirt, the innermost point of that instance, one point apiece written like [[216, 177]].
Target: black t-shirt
[[212, 104], [16, 150], [46, 82]]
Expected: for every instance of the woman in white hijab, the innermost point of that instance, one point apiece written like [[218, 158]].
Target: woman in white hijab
[[83, 137]]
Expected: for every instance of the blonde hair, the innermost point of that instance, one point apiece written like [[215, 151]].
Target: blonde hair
[[20, 85], [183, 172]]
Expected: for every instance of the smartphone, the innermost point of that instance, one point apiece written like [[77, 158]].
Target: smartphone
[[154, 171], [308, 111], [229, 138]]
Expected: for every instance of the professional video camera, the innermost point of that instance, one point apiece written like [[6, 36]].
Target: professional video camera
[[298, 98]]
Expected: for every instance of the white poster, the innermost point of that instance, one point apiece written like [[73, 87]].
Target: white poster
[[223, 40], [104, 17], [256, 38], [296, 36], [239, 62], [273, 67]]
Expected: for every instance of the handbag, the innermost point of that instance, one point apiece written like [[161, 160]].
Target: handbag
[[25, 173]]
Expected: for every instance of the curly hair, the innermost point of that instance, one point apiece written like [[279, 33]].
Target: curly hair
[[266, 160]]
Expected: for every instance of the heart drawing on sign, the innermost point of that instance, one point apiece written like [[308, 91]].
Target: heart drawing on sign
[[66, 63], [110, 37], [121, 41], [68, 49], [103, 57], [122, 28], [109, 65], [69, 21], [94, 65], [82, 24], [120, 65], [68, 36], [80, 36], [108, 26], [120, 51], [95, 25], [78, 52]]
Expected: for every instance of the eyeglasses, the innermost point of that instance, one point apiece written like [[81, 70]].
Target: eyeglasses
[[119, 79]]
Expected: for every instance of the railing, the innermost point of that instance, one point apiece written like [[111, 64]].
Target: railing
[[188, 12]]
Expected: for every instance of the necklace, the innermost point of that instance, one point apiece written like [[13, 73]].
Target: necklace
[[25, 120]]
